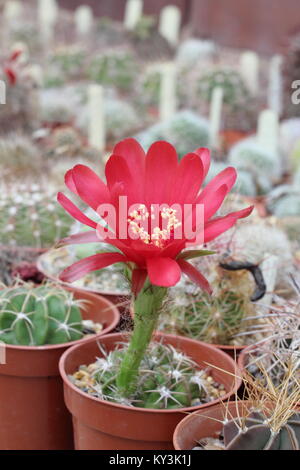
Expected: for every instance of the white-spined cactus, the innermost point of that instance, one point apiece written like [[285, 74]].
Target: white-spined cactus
[[185, 130]]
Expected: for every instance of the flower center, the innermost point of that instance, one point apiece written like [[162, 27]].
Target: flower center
[[158, 235]]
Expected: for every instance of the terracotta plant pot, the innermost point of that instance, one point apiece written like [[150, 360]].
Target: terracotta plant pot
[[32, 411], [103, 425], [205, 423]]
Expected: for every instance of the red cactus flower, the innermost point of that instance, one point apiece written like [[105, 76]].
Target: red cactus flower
[[155, 178]]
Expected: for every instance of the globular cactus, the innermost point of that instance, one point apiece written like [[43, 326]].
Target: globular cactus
[[121, 119], [213, 319], [264, 166], [149, 86], [256, 433], [235, 92], [32, 316], [19, 157], [32, 218], [284, 200], [67, 62], [114, 68], [185, 130], [168, 379]]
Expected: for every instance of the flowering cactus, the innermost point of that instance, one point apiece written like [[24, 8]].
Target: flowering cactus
[[156, 258]]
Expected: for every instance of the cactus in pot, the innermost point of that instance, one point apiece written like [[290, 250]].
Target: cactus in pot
[[153, 259], [33, 316]]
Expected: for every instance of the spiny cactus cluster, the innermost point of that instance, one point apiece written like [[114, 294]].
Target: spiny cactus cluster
[[235, 92], [149, 86], [19, 157], [31, 217], [256, 433], [264, 166], [121, 119], [66, 63], [114, 68], [168, 380], [185, 130], [213, 319], [239, 109], [284, 200], [33, 316]]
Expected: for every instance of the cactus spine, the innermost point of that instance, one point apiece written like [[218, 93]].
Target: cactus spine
[[35, 316]]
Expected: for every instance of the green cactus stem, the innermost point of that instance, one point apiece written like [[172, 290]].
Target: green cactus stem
[[147, 307]]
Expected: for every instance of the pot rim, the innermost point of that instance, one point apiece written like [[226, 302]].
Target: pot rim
[[49, 347], [69, 384], [52, 277], [181, 425]]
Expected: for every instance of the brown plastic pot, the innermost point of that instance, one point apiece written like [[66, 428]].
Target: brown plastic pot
[[32, 411], [103, 425], [206, 423]]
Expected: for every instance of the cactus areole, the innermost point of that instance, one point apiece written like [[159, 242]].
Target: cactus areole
[[150, 210]]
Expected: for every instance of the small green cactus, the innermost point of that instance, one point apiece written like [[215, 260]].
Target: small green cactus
[[67, 62], [121, 119], [113, 68], [19, 156], [168, 379], [33, 316], [185, 130], [31, 218], [216, 319], [264, 166], [257, 434], [235, 93]]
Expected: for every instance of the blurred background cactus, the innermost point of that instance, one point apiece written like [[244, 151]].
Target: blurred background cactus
[[185, 130], [264, 166], [240, 109], [19, 157], [33, 316], [30, 217], [114, 68]]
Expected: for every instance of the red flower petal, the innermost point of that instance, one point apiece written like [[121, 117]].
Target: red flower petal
[[69, 182], [78, 238], [163, 272], [90, 187], [161, 166], [194, 275], [213, 201], [204, 154], [227, 176], [92, 263], [188, 180], [119, 180], [214, 228], [134, 155], [76, 213], [139, 277]]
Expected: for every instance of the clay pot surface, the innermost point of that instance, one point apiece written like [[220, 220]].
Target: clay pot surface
[[32, 411], [103, 425], [205, 423]]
